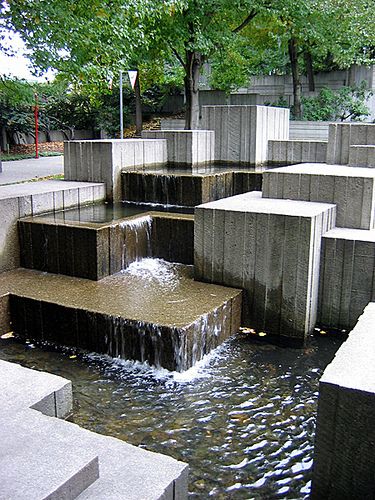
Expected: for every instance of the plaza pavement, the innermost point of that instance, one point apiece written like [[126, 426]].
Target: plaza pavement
[[30, 169]]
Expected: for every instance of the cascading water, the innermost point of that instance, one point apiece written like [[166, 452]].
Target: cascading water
[[136, 239]]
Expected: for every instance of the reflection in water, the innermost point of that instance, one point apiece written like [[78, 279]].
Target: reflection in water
[[244, 421]]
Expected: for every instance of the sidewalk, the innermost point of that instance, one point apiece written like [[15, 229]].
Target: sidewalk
[[30, 169]]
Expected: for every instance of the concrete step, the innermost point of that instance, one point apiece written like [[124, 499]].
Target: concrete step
[[153, 312], [296, 151], [48, 458], [352, 190], [362, 156]]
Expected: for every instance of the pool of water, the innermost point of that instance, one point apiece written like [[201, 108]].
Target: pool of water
[[244, 420]]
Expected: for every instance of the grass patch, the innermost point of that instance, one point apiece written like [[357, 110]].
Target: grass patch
[[24, 156]]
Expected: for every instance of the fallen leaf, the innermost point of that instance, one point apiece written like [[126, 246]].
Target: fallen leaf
[[8, 335]]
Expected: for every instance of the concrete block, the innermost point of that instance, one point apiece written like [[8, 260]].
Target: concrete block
[[346, 412], [346, 283], [362, 156], [242, 132], [295, 151], [344, 135], [352, 190], [103, 160], [271, 249], [186, 147]]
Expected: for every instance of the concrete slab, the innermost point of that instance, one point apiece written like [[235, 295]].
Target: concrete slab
[[271, 249], [343, 135], [346, 412], [362, 156], [109, 316], [351, 189]]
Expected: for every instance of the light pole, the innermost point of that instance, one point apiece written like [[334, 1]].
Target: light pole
[[36, 113], [121, 110]]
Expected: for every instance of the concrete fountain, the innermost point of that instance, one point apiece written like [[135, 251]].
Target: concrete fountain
[[262, 258]]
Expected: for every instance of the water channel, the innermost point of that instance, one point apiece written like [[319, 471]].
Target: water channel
[[244, 420]]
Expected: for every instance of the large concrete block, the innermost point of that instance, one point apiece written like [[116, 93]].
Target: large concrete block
[[242, 132], [186, 147], [107, 316], [269, 248], [296, 151], [343, 135], [344, 455], [351, 189], [362, 156], [21, 200], [346, 279], [103, 160]]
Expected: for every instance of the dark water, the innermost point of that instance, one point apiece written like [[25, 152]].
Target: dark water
[[107, 212], [244, 422]]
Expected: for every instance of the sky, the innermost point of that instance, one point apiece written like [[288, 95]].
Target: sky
[[17, 65]]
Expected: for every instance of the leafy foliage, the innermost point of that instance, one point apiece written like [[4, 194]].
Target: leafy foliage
[[347, 103]]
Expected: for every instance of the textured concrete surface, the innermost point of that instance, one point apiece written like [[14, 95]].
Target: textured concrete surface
[[347, 283], [351, 189], [344, 455], [242, 132], [43, 457], [362, 156], [20, 200], [30, 169], [186, 147], [269, 248], [296, 151], [109, 316], [343, 135], [96, 250], [314, 131], [103, 160]]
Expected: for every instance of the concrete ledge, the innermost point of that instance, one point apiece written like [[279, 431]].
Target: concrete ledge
[[351, 189], [362, 156], [103, 160], [186, 147], [344, 455], [296, 151], [21, 200], [314, 131], [269, 248], [347, 283]]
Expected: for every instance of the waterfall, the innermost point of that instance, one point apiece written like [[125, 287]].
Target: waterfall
[[136, 239]]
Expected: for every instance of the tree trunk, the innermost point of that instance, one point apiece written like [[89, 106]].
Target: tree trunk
[[293, 56], [138, 107], [309, 70], [191, 81]]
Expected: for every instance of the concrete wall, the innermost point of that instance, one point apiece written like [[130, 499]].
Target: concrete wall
[[362, 156], [242, 132], [351, 189], [271, 249], [347, 282], [315, 131], [55, 135], [296, 151], [21, 200], [344, 455], [186, 147], [343, 135], [103, 160]]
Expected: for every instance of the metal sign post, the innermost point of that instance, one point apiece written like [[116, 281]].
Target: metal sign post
[[121, 110]]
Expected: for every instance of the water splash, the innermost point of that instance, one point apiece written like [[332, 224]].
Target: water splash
[[136, 239], [156, 271]]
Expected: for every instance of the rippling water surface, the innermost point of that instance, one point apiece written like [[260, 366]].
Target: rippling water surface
[[244, 421]]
